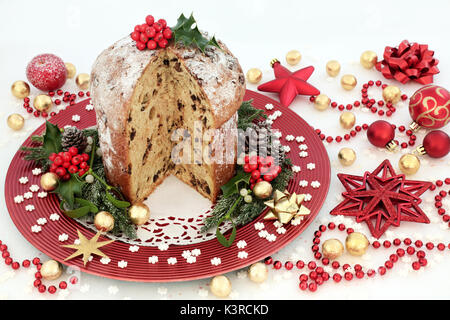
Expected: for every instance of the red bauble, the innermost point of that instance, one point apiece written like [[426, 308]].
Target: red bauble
[[430, 107], [47, 72], [436, 144], [380, 133], [289, 84]]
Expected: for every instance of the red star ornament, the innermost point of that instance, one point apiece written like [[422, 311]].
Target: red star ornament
[[382, 199], [289, 84]]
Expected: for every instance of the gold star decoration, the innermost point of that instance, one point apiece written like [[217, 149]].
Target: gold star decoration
[[285, 206], [87, 247]]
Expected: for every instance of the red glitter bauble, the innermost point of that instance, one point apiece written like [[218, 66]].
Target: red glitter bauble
[[380, 133], [47, 72], [437, 144], [430, 107]]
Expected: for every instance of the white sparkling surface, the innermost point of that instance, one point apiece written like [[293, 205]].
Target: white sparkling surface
[[376, 29]]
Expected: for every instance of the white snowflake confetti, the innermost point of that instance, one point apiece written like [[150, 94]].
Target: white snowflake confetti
[[277, 224], [315, 184], [296, 169], [36, 228], [122, 264], [269, 106], [308, 197], [18, 199], [277, 134], [216, 261], [89, 107], [241, 244], [163, 246], [186, 254], [105, 260], [76, 118], [203, 293], [271, 238], [303, 183], [303, 154], [133, 248], [153, 259], [23, 180], [263, 234], [242, 254], [113, 290], [63, 237], [36, 171], [303, 147], [41, 221], [29, 207], [290, 137], [172, 260], [300, 139], [76, 241], [259, 226], [42, 194], [54, 217], [296, 221], [162, 291], [281, 230], [287, 149], [191, 260], [196, 252], [34, 188], [28, 195], [311, 166]]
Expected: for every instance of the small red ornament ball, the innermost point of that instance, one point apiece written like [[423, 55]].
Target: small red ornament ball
[[380, 133], [47, 72], [429, 107], [437, 144]]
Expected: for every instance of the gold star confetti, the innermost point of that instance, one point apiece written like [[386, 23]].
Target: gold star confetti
[[87, 247], [285, 206]]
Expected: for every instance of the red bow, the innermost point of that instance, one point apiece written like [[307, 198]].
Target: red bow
[[410, 61]]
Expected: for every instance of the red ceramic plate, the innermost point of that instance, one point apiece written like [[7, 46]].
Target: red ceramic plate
[[138, 267]]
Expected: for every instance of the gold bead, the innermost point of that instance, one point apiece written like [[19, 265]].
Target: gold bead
[[254, 75], [82, 80], [139, 214], [15, 121], [392, 94], [347, 119], [368, 59], [71, 70], [356, 244], [293, 57], [346, 156], [258, 272], [332, 249], [43, 103], [51, 270], [348, 82], [262, 190], [20, 89], [220, 286], [104, 221], [409, 164], [333, 68], [322, 102], [49, 181]]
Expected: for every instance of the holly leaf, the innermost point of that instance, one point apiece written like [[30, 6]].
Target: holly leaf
[[86, 207], [69, 189], [52, 138], [232, 186], [185, 32], [117, 203], [221, 237]]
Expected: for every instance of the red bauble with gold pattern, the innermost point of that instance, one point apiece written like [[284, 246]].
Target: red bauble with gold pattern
[[430, 107]]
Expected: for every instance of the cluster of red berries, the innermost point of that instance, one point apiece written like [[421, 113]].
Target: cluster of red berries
[[70, 162], [151, 34], [261, 168]]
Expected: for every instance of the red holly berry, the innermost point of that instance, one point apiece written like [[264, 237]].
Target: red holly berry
[[151, 44], [163, 43], [73, 169], [52, 157], [256, 174], [269, 177], [47, 72], [61, 171], [150, 32], [58, 160], [158, 27], [162, 22], [167, 33], [66, 164], [140, 45], [247, 168], [135, 35], [149, 20], [76, 160], [137, 28], [158, 37], [67, 156], [143, 38], [73, 151], [85, 156], [66, 177], [81, 172]]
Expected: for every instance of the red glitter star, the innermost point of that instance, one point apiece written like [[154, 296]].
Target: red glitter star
[[289, 84], [382, 198]]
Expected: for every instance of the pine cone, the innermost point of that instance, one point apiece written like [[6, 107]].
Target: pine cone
[[73, 137]]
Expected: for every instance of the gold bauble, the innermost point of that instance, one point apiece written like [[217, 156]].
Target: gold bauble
[[258, 272], [368, 59], [15, 121], [20, 89], [51, 270], [392, 94], [356, 244], [409, 164], [333, 68], [43, 103], [332, 249], [254, 75], [293, 57], [71, 70], [348, 82], [262, 190], [347, 119], [322, 102], [139, 214], [220, 286], [49, 181], [104, 221], [346, 156], [82, 80]]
